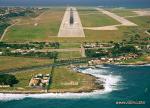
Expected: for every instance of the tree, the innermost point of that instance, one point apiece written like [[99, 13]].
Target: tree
[[116, 46], [95, 53], [111, 42], [123, 49], [7, 79]]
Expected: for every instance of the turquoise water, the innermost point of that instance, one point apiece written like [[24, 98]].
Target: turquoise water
[[123, 83]]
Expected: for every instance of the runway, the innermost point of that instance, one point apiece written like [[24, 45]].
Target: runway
[[120, 19], [71, 29]]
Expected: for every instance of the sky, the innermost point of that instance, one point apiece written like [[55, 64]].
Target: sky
[[76, 2]]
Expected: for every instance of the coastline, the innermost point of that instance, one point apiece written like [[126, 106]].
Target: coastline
[[97, 86], [94, 86], [108, 83]]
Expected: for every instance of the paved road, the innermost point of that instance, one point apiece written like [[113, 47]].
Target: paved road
[[147, 32], [71, 30], [111, 27], [82, 51], [58, 50], [4, 33]]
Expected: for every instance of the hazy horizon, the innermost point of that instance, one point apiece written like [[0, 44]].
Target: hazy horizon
[[107, 3]]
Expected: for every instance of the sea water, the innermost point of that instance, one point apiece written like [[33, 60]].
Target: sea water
[[105, 3]]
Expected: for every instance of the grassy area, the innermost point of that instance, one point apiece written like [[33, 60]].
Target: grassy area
[[122, 12], [69, 54], [116, 35], [141, 21], [70, 45], [67, 80], [95, 19], [39, 28], [66, 40], [103, 36], [20, 62]]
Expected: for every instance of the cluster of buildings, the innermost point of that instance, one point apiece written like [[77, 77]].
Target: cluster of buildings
[[17, 10], [8, 10], [98, 45], [39, 80], [112, 59], [23, 52]]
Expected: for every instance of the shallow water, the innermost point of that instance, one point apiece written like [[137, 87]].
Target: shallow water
[[122, 83]]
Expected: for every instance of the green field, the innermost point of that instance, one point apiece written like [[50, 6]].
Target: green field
[[70, 45], [141, 21], [62, 75], [7, 62], [92, 36], [95, 19], [69, 55], [103, 36], [39, 28]]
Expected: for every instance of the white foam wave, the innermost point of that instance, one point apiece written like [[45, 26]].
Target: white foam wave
[[9, 97], [110, 84], [110, 81]]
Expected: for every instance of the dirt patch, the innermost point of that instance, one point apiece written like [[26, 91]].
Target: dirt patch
[[147, 58]]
